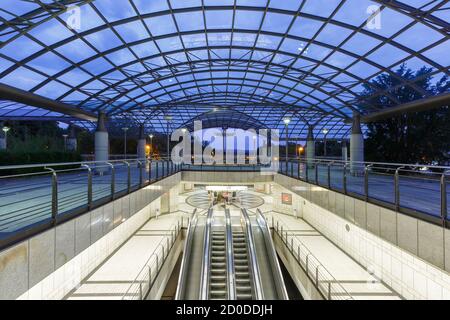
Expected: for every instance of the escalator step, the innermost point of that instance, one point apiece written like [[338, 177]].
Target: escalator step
[[244, 297]]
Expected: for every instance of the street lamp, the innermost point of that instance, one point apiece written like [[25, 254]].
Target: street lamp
[[5, 130], [125, 129], [65, 141], [151, 145], [286, 123], [325, 132]]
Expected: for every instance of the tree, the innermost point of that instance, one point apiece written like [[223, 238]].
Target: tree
[[416, 137]]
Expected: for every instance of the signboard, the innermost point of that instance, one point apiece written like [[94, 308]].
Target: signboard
[[286, 198]]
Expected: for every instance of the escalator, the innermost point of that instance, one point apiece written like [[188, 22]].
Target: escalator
[[218, 270], [230, 258], [190, 270], [268, 278], [241, 266]]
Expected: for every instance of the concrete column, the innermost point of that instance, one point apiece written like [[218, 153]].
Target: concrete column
[[310, 147], [142, 143], [344, 151], [101, 139], [356, 147], [72, 139]]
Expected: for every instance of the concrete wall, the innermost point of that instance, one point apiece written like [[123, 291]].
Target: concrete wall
[[406, 253], [225, 177], [53, 262]]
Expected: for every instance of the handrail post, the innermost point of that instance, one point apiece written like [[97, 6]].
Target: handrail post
[[298, 169], [54, 195], [397, 188], [344, 178], [141, 180], [366, 181], [113, 179], [306, 172], [128, 176], [89, 187], [329, 174], [329, 290], [150, 171], [292, 169], [443, 199], [317, 172], [156, 171]]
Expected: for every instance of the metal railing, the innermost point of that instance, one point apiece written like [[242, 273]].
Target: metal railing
[[417, 190], [143, 283], [322, 279], [253, 261], [276, 269], [206, 258], [36, 197], [231, 277], [182, 277]]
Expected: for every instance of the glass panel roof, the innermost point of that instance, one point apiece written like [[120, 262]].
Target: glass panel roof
[[142, 60]]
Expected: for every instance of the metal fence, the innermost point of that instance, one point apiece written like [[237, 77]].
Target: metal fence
[[146, 277], [36, 197], [322, 279], [418, 190]]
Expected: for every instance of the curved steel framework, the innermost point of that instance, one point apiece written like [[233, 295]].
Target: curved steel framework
[[268, 59]]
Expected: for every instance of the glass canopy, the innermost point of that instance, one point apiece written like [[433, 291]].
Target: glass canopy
[[266, 59]]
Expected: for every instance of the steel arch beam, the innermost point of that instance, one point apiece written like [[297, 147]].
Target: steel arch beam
[[31, 99], [415, 106]]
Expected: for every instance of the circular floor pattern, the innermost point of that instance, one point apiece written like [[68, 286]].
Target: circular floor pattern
[[244, 199], [199, 200]]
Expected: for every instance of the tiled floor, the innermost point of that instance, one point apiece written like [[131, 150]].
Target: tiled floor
[[356, 280], [114, 276]]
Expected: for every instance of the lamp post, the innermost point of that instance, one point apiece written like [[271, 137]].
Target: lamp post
[[286, 123], [5, 130], [65, 141], [151, 145], [125, 129], [325, 132]]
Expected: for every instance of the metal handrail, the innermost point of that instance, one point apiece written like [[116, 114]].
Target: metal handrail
[[174, 229], [231, 277], [311, 264], [279, 281], [253, 261], [206, 258], [187, 252]]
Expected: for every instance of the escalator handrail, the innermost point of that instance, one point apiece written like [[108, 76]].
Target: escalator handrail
[[279, 281], [187, 252], [253, 261], [206, 261], [231, 278]]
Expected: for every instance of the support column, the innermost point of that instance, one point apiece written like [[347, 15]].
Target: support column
[[356, 147], [310, 148], [142, 143], [72, 144], [2, 137], [101, 139]]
